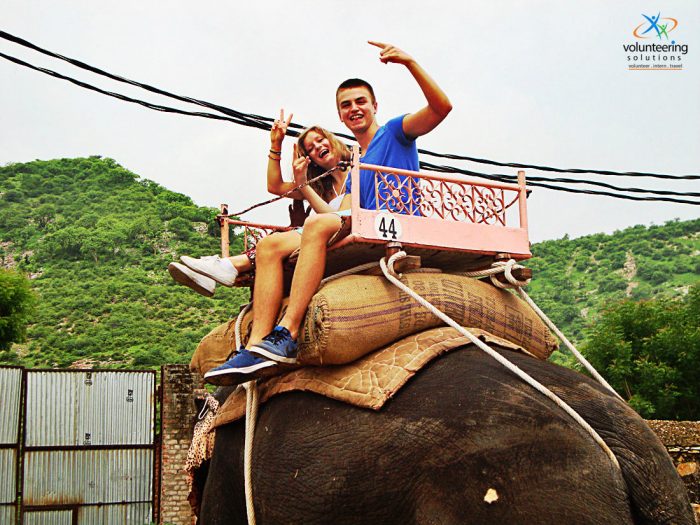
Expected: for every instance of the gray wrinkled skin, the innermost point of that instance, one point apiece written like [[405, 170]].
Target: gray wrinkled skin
[[464, 442]]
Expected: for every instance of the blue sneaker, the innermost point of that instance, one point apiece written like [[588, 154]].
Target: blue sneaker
[[242, 367], [278, 345]]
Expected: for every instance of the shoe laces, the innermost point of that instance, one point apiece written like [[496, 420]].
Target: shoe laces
[[234, 353], [276, 337]]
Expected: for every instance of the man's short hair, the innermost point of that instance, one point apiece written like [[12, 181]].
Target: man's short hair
[[355, 83]]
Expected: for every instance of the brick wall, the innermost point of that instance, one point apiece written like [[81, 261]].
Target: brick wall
[[178, 413]]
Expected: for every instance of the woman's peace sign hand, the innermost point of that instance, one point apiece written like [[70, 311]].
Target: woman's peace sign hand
[[279, 130]]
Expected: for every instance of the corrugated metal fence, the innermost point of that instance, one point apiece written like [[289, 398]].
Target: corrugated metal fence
[[87, 447], [10, 396]]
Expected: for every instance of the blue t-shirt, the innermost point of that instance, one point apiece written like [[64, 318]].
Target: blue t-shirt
[[389, 147]]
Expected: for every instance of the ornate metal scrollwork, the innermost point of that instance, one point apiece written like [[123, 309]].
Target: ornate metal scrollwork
[[456, 201]]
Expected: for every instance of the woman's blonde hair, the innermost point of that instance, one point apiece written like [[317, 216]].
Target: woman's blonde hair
[[324, 186]]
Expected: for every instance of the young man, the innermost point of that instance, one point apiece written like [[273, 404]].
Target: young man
[[392, 144]]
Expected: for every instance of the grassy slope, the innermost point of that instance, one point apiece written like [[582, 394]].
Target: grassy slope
[[95, 240]]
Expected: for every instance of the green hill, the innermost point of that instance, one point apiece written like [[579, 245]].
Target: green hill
[[95, 240], [574, 279]]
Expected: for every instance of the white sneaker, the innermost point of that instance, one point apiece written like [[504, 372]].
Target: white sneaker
[[213, 266], [199, 283]]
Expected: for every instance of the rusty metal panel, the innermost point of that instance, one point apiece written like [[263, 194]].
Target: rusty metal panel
[[72, 477], [8, 476], [129, 514], [89, 408], [10, 393], [48, 517]]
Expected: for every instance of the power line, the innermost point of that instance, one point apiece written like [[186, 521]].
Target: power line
[[258, 120], [156, 107], [559, 170], [243, 119], [512, 178], [532, 181]]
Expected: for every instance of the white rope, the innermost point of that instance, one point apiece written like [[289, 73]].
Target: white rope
[[239, 321], [388, 269], [356, 269], [251, 409], [568, 344], [506, 267], [251, 414]]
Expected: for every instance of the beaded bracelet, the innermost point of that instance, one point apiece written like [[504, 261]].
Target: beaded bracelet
[[275, 152]]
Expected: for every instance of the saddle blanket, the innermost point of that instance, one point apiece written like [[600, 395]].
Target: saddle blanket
[[368, 382]]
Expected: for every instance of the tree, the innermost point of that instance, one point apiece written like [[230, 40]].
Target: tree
[[649, 351], [16, 302]]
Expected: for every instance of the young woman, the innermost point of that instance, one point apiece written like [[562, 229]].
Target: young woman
[[317, 151]]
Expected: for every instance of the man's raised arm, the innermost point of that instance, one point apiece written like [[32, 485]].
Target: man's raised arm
[[424, 120]]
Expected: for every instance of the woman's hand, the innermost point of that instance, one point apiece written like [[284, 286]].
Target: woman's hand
[[300, 165], [279, 130]]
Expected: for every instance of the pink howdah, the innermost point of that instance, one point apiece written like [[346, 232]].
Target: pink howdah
[[443, 211], [427, 210]]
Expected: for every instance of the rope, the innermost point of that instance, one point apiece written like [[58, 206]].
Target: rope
[[568, 344], [388, 270], [506, 267], [239, 321], [252, 401], [356, 269], [341, 165], [251, 414]]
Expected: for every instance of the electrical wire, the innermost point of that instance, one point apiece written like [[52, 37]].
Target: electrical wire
[[259, 120], [261, 123], [532, 181]]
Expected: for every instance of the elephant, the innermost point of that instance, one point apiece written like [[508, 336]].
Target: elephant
[[465, 441]]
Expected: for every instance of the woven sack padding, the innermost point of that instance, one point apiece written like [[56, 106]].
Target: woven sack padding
[[354, 315], [214, 348]]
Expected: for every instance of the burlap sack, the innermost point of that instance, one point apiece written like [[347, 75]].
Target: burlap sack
[[352, 316], [214, 348]]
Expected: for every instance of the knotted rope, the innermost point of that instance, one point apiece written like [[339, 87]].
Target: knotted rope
[[388, 270], [506, 268]]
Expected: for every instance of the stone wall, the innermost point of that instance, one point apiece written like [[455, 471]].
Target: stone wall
[[682, 440], [178, 413]]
